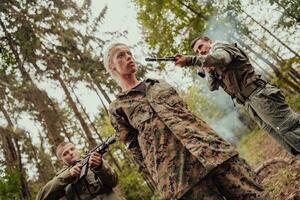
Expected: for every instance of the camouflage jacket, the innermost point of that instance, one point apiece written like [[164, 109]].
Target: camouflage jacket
[[233, 71], [100, 182], [177, 148]]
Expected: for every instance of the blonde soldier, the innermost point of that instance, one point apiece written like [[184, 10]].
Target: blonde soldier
[[97, 185], [229, 67], [184, 156]]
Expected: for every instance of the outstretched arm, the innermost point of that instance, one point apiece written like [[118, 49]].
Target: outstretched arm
[[218, 58]]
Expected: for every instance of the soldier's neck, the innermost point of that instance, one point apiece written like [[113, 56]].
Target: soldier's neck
[[128, 83]]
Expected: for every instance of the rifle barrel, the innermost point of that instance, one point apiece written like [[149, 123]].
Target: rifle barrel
[[160, 59]]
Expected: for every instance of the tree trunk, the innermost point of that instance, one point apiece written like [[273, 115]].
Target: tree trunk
[[102, 102], [265, 48], [281, 62], [108, 100], [287, 12], [24, 184], [293, 74], [66, 133], [95, 129], [12, 152], [268, 31], [15, 52], [274, 68], [9, 148], [44, 173], [199, 14], [263, 45], [33, 95], [91, 141], [268, 75]]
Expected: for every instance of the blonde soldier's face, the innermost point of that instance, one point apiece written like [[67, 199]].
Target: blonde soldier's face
[[70, 154], [202, 47], [122, 61]]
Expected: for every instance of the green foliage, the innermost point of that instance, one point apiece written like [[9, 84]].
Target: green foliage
[[217, 109], [290, 12], [294, 102], [103, 124], [10, 185], [7, 70], [169, 26], [281, 180], [202, 104], [132, 183], [247, 146]]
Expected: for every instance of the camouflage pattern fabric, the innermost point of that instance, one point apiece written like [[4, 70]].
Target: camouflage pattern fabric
[[176, 147], [233, 180]]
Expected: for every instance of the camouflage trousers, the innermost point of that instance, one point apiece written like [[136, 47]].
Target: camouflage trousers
[[233, 180], [268, 108]]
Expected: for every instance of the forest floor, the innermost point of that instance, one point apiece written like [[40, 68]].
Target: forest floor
[[281, 179]]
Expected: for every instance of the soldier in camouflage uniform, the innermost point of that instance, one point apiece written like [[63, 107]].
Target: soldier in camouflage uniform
[[184, 156], [229, 67], [97, 185]]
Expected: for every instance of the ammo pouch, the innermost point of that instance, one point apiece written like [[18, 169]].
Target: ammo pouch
[[73, 190], [247, 91], [91, 187]]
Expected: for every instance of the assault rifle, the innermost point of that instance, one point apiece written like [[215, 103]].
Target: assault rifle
[[71, 189], [101, 149], [168, 58], [200, 71]]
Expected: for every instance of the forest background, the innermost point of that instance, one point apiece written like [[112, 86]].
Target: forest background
[[54, 88]]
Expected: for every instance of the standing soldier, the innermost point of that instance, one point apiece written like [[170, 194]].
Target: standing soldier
[[229, 67], [184, 156], [97, 185]]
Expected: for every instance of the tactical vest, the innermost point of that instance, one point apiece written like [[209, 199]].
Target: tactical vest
[[238, 78], [88, 188]]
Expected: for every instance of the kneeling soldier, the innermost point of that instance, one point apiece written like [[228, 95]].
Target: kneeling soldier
[[97, 185]]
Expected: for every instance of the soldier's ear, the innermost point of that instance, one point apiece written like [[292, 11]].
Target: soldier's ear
[[111, 66]]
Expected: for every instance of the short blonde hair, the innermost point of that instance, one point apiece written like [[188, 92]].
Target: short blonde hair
[[60, 147], [107, 57]]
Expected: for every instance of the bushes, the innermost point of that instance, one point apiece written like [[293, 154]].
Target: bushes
[[10, 185]]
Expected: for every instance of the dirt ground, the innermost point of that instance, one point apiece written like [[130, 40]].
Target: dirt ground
[[281, 177]]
